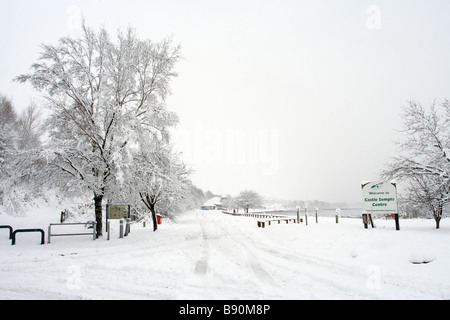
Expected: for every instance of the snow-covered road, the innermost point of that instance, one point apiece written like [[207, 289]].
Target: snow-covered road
[[209, 255], [255, 261]]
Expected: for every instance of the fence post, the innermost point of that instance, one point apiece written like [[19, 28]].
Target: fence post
[[338, 212], [317, 215]]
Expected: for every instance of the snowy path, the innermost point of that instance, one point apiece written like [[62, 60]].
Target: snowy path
[[209, 255], [276, 271], [267, 269]]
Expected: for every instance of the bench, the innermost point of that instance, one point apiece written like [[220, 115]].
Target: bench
[[26, 231], [93, 233], [262, 223]]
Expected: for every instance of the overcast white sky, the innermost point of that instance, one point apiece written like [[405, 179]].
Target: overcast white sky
[[293, 99]]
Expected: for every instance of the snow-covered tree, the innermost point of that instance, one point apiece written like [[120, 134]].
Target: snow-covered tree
[[160, 180], [8, 120], [7, 112], [22, 164], [29, 127], [98, 91], [424, 161], [248, 199]]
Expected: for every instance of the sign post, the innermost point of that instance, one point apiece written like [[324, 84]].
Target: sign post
[[397, 222], [381, 198]]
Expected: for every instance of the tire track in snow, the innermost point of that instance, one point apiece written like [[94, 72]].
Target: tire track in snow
[[334, 277], [314, 272], [201, 266], [242, 249]]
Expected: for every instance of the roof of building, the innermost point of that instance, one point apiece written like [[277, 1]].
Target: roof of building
[[216, 201]]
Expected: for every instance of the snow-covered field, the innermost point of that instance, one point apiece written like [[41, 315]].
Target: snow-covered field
[[210, 255]]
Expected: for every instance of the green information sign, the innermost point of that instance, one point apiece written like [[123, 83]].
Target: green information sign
[[380, 197]]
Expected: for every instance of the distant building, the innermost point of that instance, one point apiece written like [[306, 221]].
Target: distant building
[[214, 204]]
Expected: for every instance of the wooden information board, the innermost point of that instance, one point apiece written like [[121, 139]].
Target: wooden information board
[[116, 212]]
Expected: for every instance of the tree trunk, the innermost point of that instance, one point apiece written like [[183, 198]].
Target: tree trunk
[[150, 205], [98, 214], [155, 222], [438, 216], [438, 222]]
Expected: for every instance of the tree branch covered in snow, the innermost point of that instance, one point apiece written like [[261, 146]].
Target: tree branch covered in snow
[[424, 161], [104, 97], [23, 164]]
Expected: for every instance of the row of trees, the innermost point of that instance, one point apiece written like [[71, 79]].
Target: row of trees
[[107, 130], [423, 161]]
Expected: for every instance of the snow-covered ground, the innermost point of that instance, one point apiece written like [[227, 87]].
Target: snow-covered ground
[[210, 255]]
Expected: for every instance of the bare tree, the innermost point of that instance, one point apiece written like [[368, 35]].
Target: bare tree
[[424, 161]]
